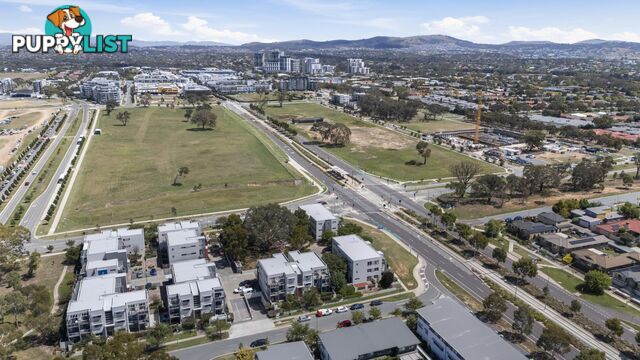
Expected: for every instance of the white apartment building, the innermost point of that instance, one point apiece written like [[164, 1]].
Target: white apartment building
[[312, 66], [195, 290], [321, 220], [107, 252], [452, 333], [6, 86], [282, 275], [39, 85], [356, 66], [102, 305], [101, 90], [364, 263], [168, 227], [184, 245]]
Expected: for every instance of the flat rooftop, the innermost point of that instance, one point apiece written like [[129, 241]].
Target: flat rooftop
[[307, 261], [286, 351], [189, 270], [182, 237], [470, 337], [318, 212], [356, 248], [104, 293], [194, 287], [177, 225], [276, 265], [351, 342]]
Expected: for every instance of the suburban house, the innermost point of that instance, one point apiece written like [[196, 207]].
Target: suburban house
[[623, 231], [599, 212], [628, 279], [195, 289], [185, 244], [525, 228], [588, 221], [107, 252], [101, 305], [593, 259], [559, 243], [388, 337], [364, 263], [321, 220], [551, 218], [291, 273], [297, 350], [453, 333]]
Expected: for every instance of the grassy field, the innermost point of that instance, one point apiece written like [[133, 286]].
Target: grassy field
[[128, 171], [378, 150], [400, 260], [445, 122], [572, 283], [23, 120]]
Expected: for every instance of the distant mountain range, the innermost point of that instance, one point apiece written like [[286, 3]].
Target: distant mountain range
[[426, 44]]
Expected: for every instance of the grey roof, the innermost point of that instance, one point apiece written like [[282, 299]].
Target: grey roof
[[349, 343], [356, 248], [532, 227], [286, 351], [307, 261], [318, 212], [276, 265], [551, 216], [566, 242], [467, 335], [599, 209], [189, 270], [632, 272]]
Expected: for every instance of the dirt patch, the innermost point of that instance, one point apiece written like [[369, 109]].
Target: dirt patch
[[10, 142], [557, 158], [376, 137]]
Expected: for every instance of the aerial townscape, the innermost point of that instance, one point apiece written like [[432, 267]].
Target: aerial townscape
[[275, 180]]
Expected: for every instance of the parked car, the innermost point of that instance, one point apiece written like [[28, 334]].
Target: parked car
[[139, 274], [341, 309], [259, 342], [375, 303], [357, 306], [153, 272], [344, 323], [238, 290], [26, 183], [303, 318], [323, 312]]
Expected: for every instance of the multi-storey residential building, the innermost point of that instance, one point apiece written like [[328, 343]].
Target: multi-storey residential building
[[39, 85], [166, 228], [195, 289], [294, 83], [364, 263], [238, 86], [356, 66], [101, 90], [101, 306], [320, 220], [6, 86], [293, 273], [276, 61], [440, 324], [106, 252], [185, 245], [312, 66]]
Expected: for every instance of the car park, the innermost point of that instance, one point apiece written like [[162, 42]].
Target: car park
[[357, 306], [341, 309], [303, 318]]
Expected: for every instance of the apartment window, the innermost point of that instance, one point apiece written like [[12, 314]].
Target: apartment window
[[369, 263], [376, 269]]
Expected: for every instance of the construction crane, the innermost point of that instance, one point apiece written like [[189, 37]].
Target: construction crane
[[478, 116]]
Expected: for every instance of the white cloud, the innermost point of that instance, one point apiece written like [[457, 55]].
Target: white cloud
[[626, 36], [24, 9], [199, 29], [550, 33], [149, 22], [466, 27]]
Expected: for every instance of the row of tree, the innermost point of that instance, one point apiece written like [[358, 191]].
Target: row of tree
[[384, 108], [335, 134]]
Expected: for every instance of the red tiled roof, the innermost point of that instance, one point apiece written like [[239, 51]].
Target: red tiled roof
[[630, 224]]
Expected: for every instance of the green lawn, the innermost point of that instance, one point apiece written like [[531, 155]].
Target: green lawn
[[378, 150], [23, 121], [445, 122], [458, 291], [400, 260], [571, 284], [128, 171]]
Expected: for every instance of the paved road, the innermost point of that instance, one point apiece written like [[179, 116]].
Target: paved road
[[21, 190], [40, 205]]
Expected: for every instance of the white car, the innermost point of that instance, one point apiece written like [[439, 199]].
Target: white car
[[341, 309], [303, 318], [243, 290]]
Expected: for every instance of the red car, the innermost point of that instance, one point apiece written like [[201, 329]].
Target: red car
[[344, 323]]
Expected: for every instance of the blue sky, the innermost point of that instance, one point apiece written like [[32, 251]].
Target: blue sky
[[240, 21]]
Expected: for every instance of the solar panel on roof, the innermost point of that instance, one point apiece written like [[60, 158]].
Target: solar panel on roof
[[581, 241]]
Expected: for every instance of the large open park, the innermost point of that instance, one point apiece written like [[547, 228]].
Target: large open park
[[128, 172], [376, 149]]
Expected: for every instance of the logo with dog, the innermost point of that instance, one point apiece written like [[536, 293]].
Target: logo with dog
[[68, 31]]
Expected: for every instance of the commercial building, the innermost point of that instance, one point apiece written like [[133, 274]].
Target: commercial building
[[320, 220], [297, 350], [195, 289], [364, 263], [101, 90], [102, 305], [239, 86], [6, 86], [452, 333], [292, 273], [388, 337], [184, 245], [559, 243], [356, 66]]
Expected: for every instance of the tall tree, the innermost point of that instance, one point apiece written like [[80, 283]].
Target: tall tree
[[534, 139], [182, 171], [615, 327], [636, 161], [15, 303], [590, 354], [340, 134], [464, 172], [423, 149], [596, 282], [145, 100], [499, 254], [300, 332], [269, 226], [554, 340], [187, 114], [523, 321], [494, 306], [282, 95], [110, 106], [205, 118], [525, 267], [123, 117], [34, 262]]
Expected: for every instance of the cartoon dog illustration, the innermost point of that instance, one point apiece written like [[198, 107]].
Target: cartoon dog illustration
[[67, 20]]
